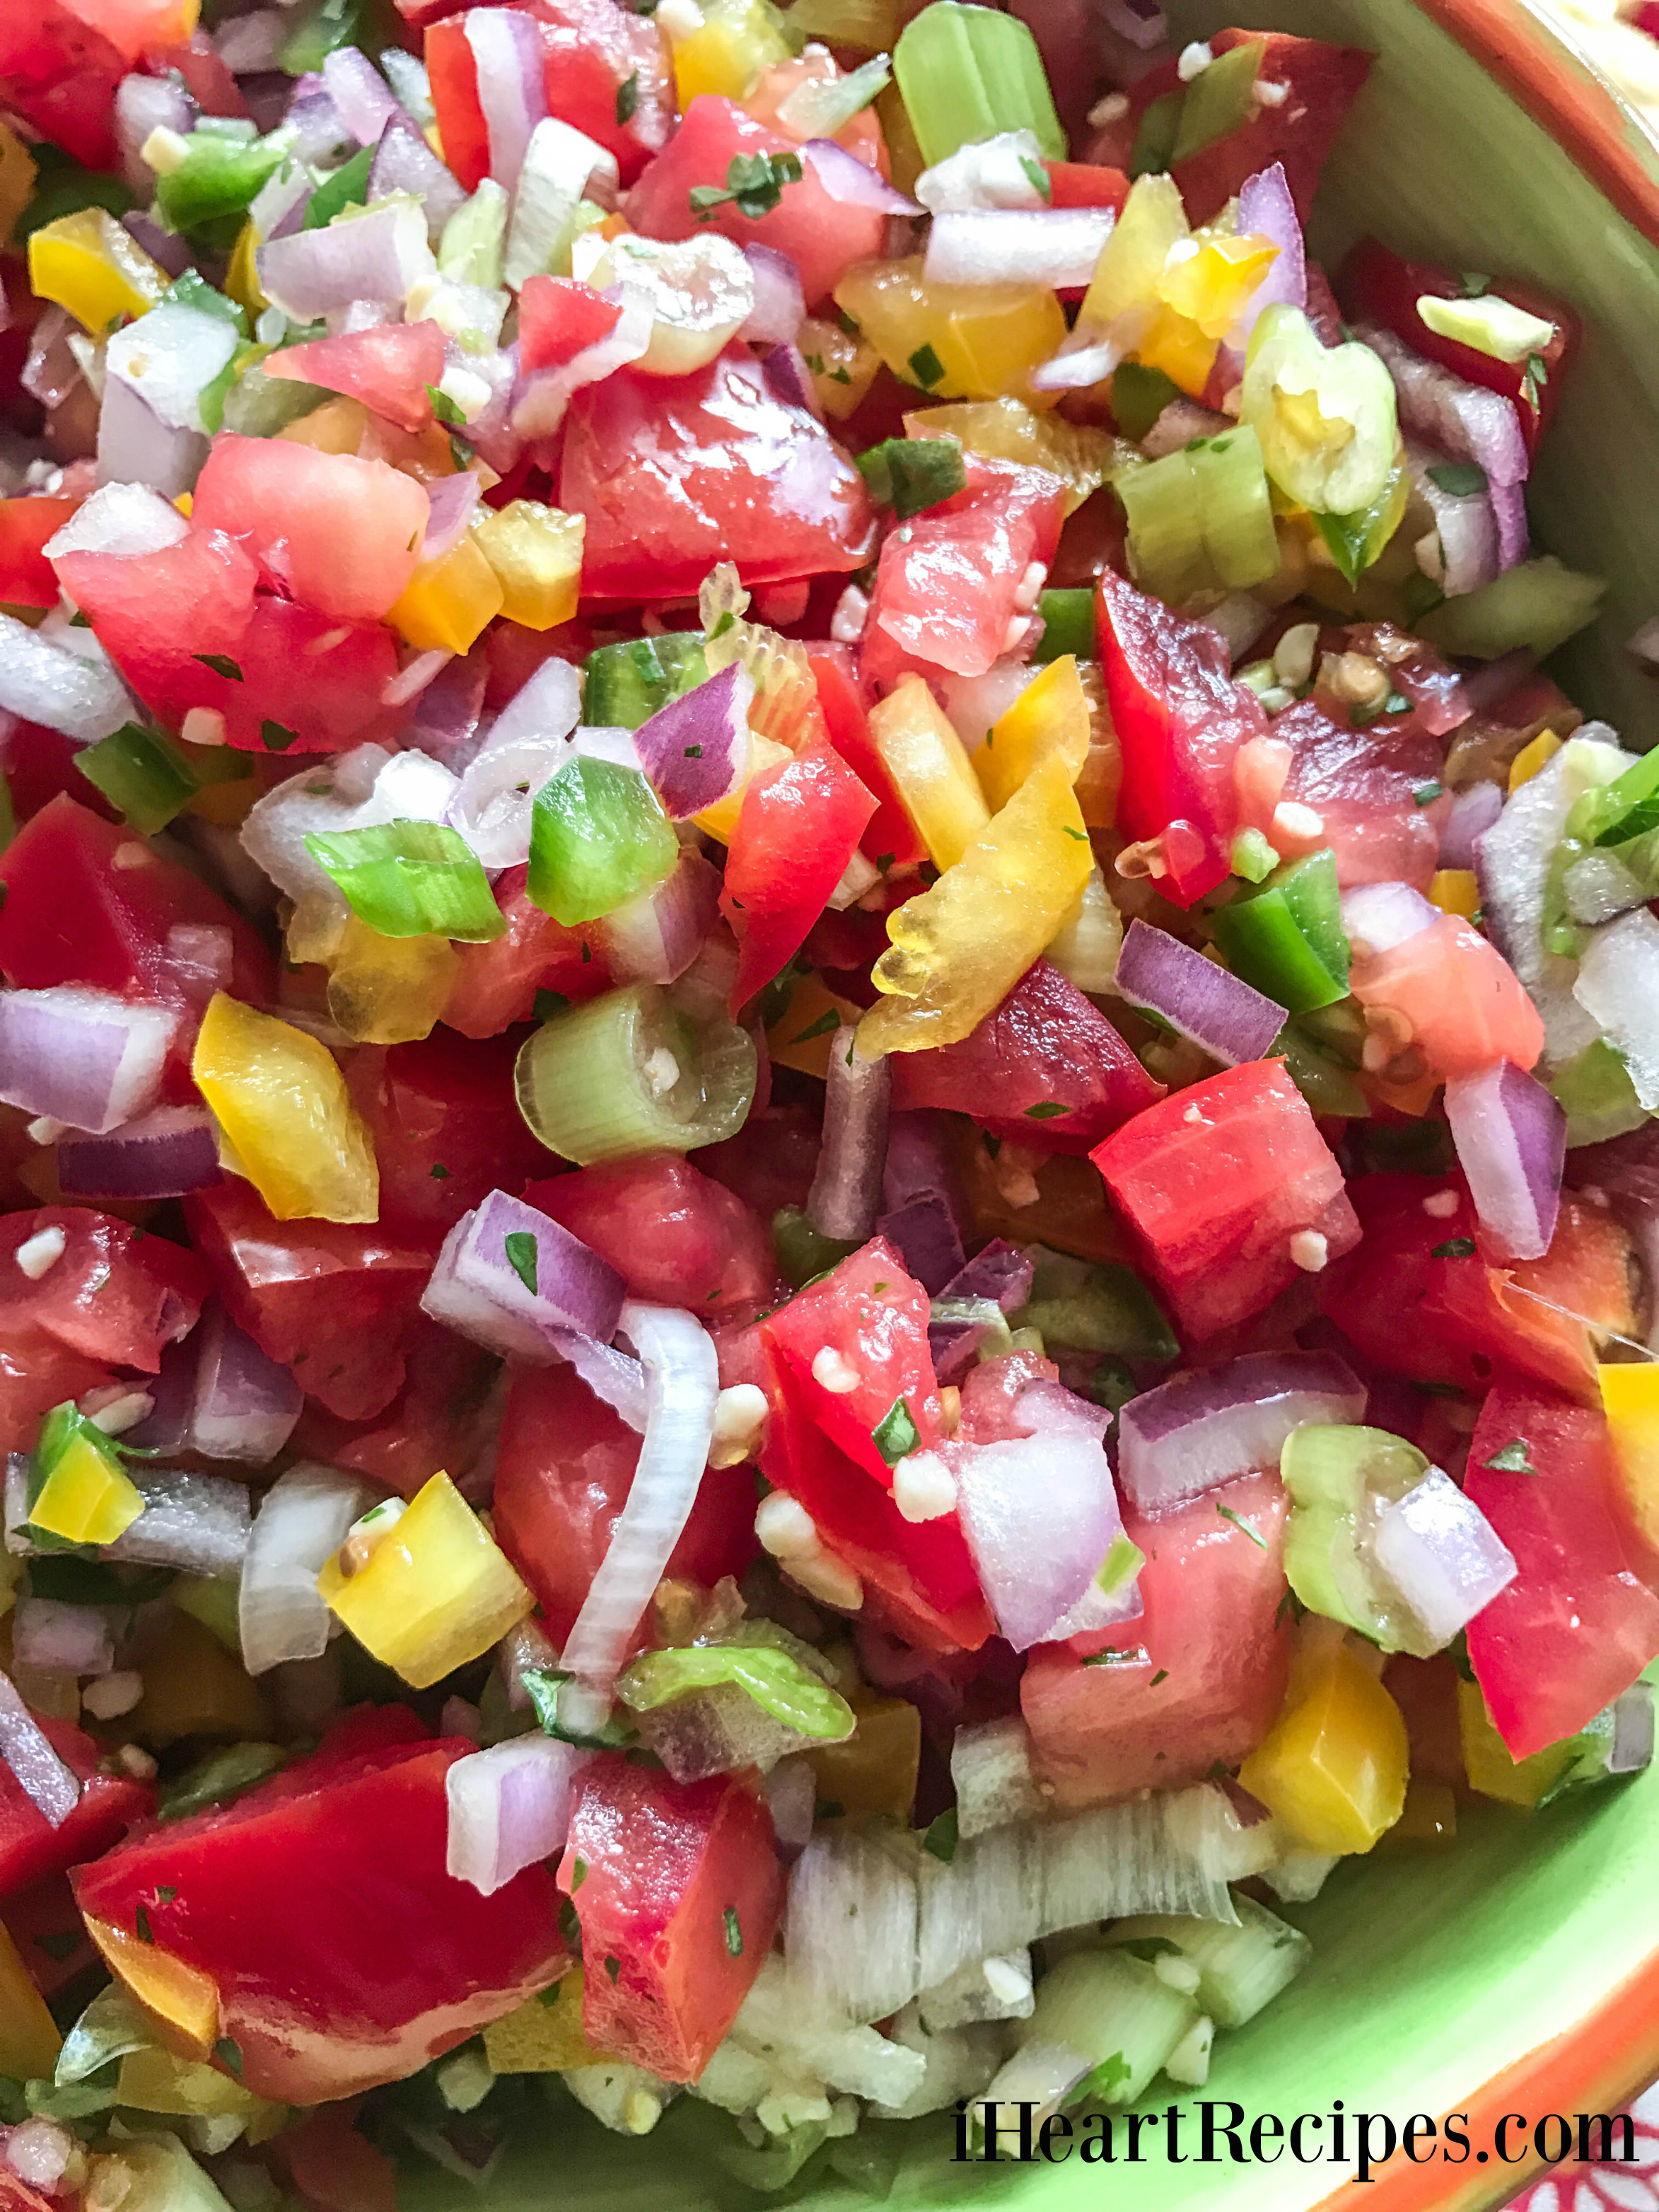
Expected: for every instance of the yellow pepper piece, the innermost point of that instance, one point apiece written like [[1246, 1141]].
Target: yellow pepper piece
[[1534, 758], [1429, 1822], [928, 762], [1082, 456], [720, 820], [447, 604], [337, 427], [1487, 1761], [544, 2035], [1630, 1399], [803, 1033], [194, 1687], [983, 340], [959, 949], [17, 175], [389, 990], [436, 1592], [242, 276], [1179, 348], [1333, 1768], [29, 2041], [536, 552], [86, 1498], [874, 1771], [283, 1102], [1051, 715], [1454, 890], [182, 2001], [157, 2081], [842, 364], [1135, 255], [1209, 287], [735, 43], [88, 265]]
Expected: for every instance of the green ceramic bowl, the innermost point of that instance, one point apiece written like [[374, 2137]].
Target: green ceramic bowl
[[1519, 1973]]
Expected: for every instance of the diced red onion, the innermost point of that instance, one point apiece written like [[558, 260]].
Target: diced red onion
[[81, 697], [654, 937], [81, 1056], [509, 1809], [39, 2153], [144, 104], [50, 372], [1097, 1609], [1509, 505], [921, 1159], [847, 179], [165, 1153], [418, 673], [168, 252], [785, 369], [573, 1287], [172, 1392], [696, 750], [166, 358], [1265, 210], [135, 445], [1203, 1428], [198, 1522], [562, 167], [404, 162], [1632, 1749], [1201, 1000], [45, 1779], [1465, 419], [1473, 811], [999, 1275], [1054, 247], [247, 1404], [250, 46], [453, 499], [361, 94], [1140, 21], [477, 1315], [780, 309], [846, 1192], [1464, 522], [681, 1384], [614, 1377], [378, 256], [1442, 1556], [304, 1518], [322, 140], [203, 956], [1511, 1139], [494, 805], [61, 1639], [507, 52], [925, 1236], [443, 720], [1379, 916]]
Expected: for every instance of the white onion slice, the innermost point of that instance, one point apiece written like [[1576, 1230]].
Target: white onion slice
[[1040, 1514], [1056, 247], [46, 1781], [991, 173], [304, 1519], [1511, 1139], [507, 52], [509, 1809], [81, 697]]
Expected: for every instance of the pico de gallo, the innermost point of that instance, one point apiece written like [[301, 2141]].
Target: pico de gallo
[[827, 1082]]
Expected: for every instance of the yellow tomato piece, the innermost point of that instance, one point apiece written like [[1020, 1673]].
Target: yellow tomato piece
[[89, 265], [282, 1100], [181, 2001], [29, 2041], [389, 990], [17, 175], [1179, 348], [929, 763], [194, 1687], [1082, 456], [437, 1590], [242, 275], [1429, 1822], [1629, 1398], [958, 951], [544, 2035], [1534, 758], [1454, 890], [842, 366], [955, 341], [448, 604], [720, 820], [157, 2082], [1211, 286], [735, 43], [872, 1773], [1486, 1759], [1135, 255], [86, 1498], [1051, 715], [536, 552], [1333, 1768], [337, 427], [803, 1033]]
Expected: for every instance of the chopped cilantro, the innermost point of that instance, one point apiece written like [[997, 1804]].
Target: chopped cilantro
[[277, 737], [943, 1836], [1458, 479], [1239, 1522], [754, 186], [439, 1172], [221, 664], [1046, 1109], [445, 408], [1455, 1248], [734, 1932], [613, 1968], [578, 1874], [1424, 794], [142, 1927], [627, 99], [1041, 183], [1162, 1675], [521, 1256], [824, 1023], [549, 1003], [229, 2052], [896, 1434], [1512, 1459]]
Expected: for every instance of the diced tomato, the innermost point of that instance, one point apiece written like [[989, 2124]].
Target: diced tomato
[[1180, 719], [344, 1953], [1450, 993], [116, 1295], [674, 476], [1208, 1673], [59, 72], [496, 984], [154, 614], [332, 1300], [889, 836], [772, 1163], [447, 1131], [1379, 286], [675, 1235], [1216, 1181], [560, 317], [39, 763], [462, 131], [992, 1391], [948, 580], [1362, 785], [1086, 184], [36, 1374], [31, 1847], [822, 236], [342, 534], [798, 829], [26, 579], [207, 79], [872, 1316], [1426, 1691], [1440, 701], [606, 72], [308, 684], [1577, 1626], [564, 1467], [679, 1890], [49, 1932], [441, 1418], [1046, 1069], [389, 368], [334, 2168]]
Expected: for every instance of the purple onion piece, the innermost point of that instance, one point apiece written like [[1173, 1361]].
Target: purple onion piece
[[477, 1315], [443, 718], [1465, 419], [452, 500], [171, 1394], [506, 53], [846, 1192], [1265, 210], [780, 308], [850, 181], [166, 1153], [1054, 247], [1511, 1139], [365, 101], [509, 1809], [1074, 368], [1488, 686], [534, 1268], [1218, 1011], [615, 1376], [41, 1773], [324, 140], [167, 250], [1473, 811], [923, 1234], [921, 1160], [1202, 1429], [785, 369], [696, 750], [404, 162], [245, 1404], [198, 1522], [1040, 1514], [82, 1056], [1466, 523], [1001, 1275], [654, 937], [1379, 916]]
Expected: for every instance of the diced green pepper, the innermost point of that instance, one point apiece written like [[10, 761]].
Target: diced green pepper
[[1155, 138], [910, 475], [1218, 100], [1068, 625], [1104, 1308], [1139, 396], [628, 682], [144, 775], [804, 1252], [218, 178], [347, 187], [1615, 813], [1286, 935], [598, 837]]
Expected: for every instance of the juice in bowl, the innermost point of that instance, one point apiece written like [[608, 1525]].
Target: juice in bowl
[[828, 1046]]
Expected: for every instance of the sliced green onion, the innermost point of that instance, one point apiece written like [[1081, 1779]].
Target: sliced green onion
[[969, 73], [1286, 935], [1139, 396], [1613, 813], [1325, 415], [1219, 99], [145, 776], [628, 682], [347, 187], [598, 838], [220, 1778], [804, 1254], [629, 1073], [1539, 603], [912, 474], [1068, 625], [218, 177], [774, 1674], [1202, 519], [410, 879], [1340, 1479], [1155, 138], [473, 248]]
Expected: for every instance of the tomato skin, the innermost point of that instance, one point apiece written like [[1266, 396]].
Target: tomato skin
[[442, 1104], [1463, 1005], [319, 680], [1086, 184], [798, 829], [1215, 1181], [60, 74], [332, 1300], [564, 1467], [1212, 1678], [560, 317], [339, 533], [889, 834], [36, 1374], [675, 475], [117, 1296], [824, 237], [678, 1896], [333, 1986], [676, 1236], [31, 1849], [1577, 1626], [153, 615], [1180, 719], [440, 1418], [1045, 1045], [26, 579], [874, 1313]]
